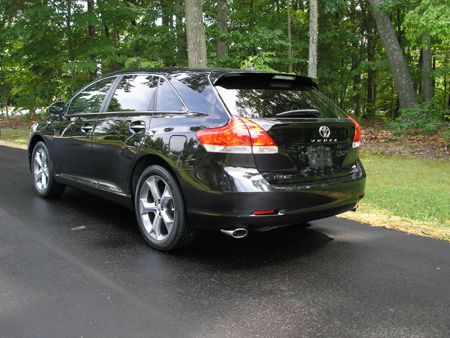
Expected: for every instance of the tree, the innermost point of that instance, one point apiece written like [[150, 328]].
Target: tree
[[313, 30], [289, 27], [180, 32], [427, 81], [196, 42], [406, 94], [222, 26]]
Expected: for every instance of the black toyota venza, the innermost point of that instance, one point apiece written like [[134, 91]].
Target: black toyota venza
[[228, 150]]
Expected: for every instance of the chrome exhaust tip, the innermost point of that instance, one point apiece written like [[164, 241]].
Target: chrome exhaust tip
[[235, 233]]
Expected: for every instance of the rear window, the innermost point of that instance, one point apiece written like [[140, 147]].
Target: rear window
[[252, 98]]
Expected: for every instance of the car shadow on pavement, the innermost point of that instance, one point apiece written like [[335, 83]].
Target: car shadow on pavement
[[118, 225], [258, 248]]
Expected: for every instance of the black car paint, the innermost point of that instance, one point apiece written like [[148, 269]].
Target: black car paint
[[220, 190]]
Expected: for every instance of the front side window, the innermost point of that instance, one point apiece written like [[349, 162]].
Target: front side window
[[167, 99], [134, 93], [90, 99]]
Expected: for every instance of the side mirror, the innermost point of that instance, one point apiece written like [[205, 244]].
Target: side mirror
[[56, 108]]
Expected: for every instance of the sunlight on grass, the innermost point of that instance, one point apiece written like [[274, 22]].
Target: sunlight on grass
[[408, 187], [19, 136], [410, 191]]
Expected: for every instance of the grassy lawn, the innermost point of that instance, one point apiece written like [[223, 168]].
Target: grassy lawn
[[14, 136], [408, 194]]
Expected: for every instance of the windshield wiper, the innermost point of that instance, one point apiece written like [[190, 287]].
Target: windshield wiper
[[300, 113]]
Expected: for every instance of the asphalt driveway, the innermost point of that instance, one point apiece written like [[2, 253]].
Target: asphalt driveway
[[77, 267]]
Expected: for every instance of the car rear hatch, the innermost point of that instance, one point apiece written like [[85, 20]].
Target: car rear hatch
[[314, 137]]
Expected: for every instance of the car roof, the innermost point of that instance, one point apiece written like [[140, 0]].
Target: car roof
[[215, 73]]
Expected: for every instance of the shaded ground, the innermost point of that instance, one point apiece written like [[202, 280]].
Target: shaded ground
[[336, 278], [378, 139]]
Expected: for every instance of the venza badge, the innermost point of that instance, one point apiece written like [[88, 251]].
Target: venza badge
[[324, 131]]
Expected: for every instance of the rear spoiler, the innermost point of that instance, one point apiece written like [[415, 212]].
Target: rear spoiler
[[251, 79]]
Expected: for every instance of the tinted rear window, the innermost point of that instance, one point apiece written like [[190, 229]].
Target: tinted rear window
[[258, 99]]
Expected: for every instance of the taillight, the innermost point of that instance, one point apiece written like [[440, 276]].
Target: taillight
[[239, 136], [357, 137]]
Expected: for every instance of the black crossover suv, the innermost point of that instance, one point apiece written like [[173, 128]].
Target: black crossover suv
[[202, 149]]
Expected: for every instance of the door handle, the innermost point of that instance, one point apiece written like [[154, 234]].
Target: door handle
[[86, 128], [137, 127]]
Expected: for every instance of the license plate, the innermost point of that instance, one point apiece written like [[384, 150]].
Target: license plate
[[319, 157]]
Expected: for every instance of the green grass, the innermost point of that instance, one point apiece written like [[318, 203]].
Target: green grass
[[19, 136], [417, 189]]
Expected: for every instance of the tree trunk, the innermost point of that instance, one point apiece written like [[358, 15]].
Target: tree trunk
[[313, 29], [222, 26], [427, 81], [166, 14], [91, 27], [196, 42], [407, 96], [289, 27], [92, 33], [356, 85], [70, 45], [181, 33]]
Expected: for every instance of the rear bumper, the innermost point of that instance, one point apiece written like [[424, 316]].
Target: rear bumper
[[293, 204]]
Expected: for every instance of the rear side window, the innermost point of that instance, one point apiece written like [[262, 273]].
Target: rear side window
[[90, 99], [134, 93], [167, 99], [253, 99]]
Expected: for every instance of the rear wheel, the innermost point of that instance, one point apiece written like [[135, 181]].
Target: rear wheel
[[160, 210], [42, 170]]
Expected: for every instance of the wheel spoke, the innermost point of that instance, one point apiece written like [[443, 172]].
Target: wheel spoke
[[166, 197], [38, 175], [44, 159], [39, 159], [44, 181], [147, 223], [156, 225], [168, 221], [154, 189]]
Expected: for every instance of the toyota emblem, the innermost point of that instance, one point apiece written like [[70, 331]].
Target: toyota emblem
[[324, 131]]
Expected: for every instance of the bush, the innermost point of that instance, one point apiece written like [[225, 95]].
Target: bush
[[427, 117]]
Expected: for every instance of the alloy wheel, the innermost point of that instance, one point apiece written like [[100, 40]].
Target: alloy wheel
[[40, 169], [157, 208]]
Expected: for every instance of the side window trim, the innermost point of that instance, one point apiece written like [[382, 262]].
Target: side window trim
[[69, 103]]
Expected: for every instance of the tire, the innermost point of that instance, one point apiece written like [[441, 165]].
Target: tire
[[42, 173], [160, 210]]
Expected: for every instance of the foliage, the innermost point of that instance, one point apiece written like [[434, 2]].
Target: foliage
[[428, 117], [49, 49], [259, 62], [431, 17]]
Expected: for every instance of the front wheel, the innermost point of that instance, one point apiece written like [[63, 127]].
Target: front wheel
[[42, 170], [160, 210]]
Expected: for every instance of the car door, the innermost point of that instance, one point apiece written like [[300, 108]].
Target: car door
[[72, 145], [120, 128]]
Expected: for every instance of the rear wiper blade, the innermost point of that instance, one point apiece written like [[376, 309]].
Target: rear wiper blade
[[300, 113]]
